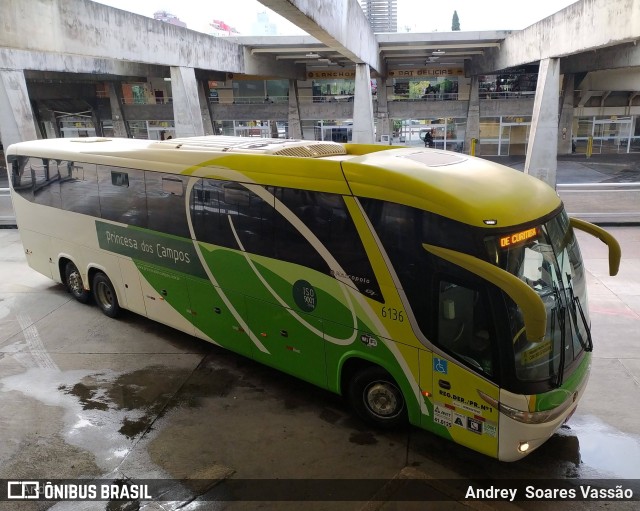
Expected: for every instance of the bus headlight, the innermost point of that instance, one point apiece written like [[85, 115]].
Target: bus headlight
[[525, 416], [523, 446]]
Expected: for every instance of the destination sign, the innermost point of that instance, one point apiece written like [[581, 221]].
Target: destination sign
[[518, 237]]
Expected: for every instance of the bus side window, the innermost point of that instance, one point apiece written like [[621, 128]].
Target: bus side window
[[21, 177], [122, 195], [229, 214], [290, 244], [79, 188], [327, 217], [166, 203], [251, 218], [464, 328], [46, 189]]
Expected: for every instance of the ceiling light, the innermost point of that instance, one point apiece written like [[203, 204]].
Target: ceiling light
[[312, 55], [438, 52]]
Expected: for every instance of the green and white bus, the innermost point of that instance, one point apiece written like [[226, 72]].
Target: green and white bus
[[423, 285]]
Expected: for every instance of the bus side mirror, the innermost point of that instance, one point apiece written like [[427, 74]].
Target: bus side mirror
[[615, 252]]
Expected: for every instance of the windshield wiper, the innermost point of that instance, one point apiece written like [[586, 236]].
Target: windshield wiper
[[575, 301], [562, 309]]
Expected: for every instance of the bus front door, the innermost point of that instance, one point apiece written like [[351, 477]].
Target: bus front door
[[464, 369]]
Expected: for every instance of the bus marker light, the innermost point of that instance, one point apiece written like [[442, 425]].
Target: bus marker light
[[523, 446], [426, 393], [490, 222]]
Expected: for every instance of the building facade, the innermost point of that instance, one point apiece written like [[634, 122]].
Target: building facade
[[382, 14]]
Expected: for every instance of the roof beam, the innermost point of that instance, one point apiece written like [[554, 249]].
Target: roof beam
[[442, 46], [423, 55], [340, 24], [578, 28], [285, 49]]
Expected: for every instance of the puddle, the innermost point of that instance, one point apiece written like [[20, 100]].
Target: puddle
[[605, 450], [104, 411]]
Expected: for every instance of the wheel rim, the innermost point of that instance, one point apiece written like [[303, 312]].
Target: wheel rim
[[383, 399], [75, 282], [104, 295]]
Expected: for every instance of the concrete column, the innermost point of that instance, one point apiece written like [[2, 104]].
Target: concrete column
[[565, 135], [186, 105], [120, 126], [384, 124], [96, 121], [295, 127], [50, 123], [473, 116], [17, 122], [203, 99], [542, 151], [363, 129]]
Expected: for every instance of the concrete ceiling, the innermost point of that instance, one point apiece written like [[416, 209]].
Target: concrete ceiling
[[397, 50]]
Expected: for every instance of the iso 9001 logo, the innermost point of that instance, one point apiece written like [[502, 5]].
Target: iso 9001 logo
[[22, 490]]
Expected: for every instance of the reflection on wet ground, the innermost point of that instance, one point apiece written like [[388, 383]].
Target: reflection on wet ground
[[604, 450]]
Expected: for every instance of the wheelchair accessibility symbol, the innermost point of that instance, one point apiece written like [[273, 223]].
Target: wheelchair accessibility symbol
[[440, 365]]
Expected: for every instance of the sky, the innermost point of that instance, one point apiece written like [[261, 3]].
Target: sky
[[415, 15]]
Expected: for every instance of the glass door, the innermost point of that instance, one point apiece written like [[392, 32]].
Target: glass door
[[612, 135], [514, 137]]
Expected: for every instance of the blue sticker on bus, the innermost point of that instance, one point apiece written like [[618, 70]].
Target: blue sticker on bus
[[440, 365]]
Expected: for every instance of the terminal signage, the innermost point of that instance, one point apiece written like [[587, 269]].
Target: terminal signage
[[348, 74], [426, 71]]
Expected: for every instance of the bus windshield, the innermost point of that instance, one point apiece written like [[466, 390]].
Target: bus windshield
[[547, 258]]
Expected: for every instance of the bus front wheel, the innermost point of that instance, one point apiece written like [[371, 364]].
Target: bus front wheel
[[105, 295], [73, 281], [377, 399]]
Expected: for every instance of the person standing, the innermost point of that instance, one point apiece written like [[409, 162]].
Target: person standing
[[428, 139]]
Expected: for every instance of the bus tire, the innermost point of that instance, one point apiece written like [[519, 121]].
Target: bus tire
[[377, 398], [105, 295], [74, 284]]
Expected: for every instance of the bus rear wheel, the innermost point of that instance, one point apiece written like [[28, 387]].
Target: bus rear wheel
[[377, 399], [105, 295], [73, 281]]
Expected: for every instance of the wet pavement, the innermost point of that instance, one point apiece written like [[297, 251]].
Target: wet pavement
[[85, 396]]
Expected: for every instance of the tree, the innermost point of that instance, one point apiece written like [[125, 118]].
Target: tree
[[455, 21]]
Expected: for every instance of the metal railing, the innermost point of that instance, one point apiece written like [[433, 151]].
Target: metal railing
[[330, 98], [444, 96], [507, 95], [147, 101], [602, 202], [251, 100]]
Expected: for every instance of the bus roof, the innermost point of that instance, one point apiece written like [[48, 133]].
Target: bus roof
[[467, 189]]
